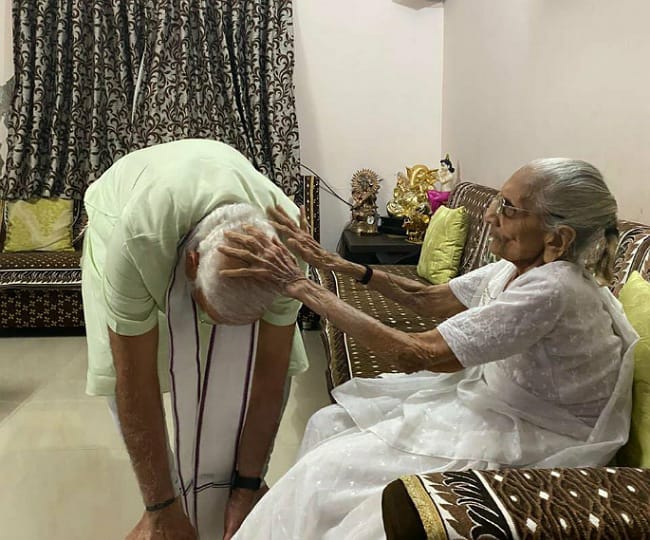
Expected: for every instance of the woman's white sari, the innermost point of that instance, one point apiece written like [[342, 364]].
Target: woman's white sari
[[402, 424]]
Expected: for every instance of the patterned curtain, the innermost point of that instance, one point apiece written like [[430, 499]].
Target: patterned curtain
[[95, 80], [76, 64], [222, 69]]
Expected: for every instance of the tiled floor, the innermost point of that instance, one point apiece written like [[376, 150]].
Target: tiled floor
[[64, 472]]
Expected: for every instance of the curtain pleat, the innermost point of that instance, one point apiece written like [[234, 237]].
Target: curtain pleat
[[75, 79]]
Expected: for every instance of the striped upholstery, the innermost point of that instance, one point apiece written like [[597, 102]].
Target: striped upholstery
[[475, 199], [348, 359]]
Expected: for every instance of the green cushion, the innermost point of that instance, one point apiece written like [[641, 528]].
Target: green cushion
[[443, 245], [635, 297], [39, 225]]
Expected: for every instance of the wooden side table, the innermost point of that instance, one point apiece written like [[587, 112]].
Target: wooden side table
[[378, 249]]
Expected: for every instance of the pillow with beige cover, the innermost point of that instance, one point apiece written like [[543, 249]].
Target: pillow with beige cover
[[38, 225]]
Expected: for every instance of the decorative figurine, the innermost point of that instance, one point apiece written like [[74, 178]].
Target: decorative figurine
[[365, 185], [446, 175], [410, 200], [411, 196]]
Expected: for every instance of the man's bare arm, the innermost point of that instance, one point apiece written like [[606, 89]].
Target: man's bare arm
[[263, 416], [264, 407], [141, 413]]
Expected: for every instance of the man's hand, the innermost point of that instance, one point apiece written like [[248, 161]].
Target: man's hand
[[170, 523], [239, 505], [301, 242]]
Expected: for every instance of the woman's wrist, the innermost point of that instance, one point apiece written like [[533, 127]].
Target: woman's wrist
[[300, 288], [349, 268], [352, 269]]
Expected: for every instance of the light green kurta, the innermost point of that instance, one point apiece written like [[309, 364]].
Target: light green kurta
[[138, 213]]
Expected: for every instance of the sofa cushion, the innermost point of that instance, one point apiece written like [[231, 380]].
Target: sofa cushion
[[39, 225], [635, 297], [40, 269], [443, 245]]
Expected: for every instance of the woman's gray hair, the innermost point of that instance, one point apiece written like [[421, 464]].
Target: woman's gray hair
[[573, 192], [239, 301]]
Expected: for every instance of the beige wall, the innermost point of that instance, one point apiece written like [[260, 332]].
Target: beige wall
[[368, 91], [6, 63], [534, 78]]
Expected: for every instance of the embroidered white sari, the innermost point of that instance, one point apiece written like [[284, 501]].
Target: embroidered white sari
[[481, 418]]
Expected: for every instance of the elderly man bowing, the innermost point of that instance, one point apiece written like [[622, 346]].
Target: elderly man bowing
[[158, 317]]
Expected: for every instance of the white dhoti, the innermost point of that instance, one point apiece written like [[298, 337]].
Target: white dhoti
[[210, 390]]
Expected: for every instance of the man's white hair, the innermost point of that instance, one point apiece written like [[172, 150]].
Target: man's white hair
[[239, 301]]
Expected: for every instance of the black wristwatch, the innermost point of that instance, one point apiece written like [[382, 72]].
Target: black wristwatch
[[245, 482]]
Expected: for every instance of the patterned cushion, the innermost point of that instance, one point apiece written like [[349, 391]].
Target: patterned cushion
[[39, 225], [40, 308], [633, 253], [596, 503]]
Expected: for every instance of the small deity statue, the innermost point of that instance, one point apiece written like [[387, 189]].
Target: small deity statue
[[365, 185], [410, 200], [446, 177], [412, 195], [396, 206]]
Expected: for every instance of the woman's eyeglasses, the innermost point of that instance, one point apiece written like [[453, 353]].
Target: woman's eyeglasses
[[504, 208]]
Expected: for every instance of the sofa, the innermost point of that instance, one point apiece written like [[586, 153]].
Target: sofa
[[608, 503], [40, 291], [347, 358]]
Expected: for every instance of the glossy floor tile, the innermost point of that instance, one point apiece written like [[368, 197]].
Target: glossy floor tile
[[64, 469]]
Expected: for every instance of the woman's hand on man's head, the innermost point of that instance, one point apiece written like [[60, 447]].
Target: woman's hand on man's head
[[267, 260], [300, 241]]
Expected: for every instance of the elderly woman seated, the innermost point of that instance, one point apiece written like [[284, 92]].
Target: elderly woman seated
[[532, 367]]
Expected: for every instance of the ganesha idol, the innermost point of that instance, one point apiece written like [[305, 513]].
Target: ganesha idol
[[419, 193]]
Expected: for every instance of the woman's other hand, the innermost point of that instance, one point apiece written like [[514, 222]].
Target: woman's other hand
[[301, 242]]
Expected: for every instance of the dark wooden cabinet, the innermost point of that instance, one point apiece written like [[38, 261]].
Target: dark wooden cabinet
[[378, 249]]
